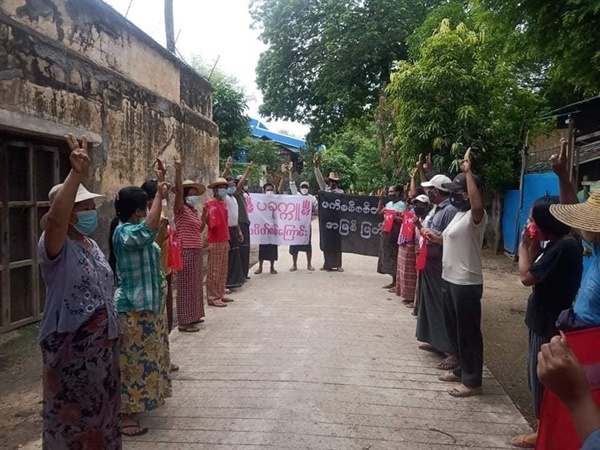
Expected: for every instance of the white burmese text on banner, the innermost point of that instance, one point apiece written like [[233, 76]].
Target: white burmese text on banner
[[279, 219]]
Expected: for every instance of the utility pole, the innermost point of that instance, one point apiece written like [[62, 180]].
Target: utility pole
[[169, 26]]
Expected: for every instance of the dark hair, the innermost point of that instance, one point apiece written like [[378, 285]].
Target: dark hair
[[151, 188], [546, 222], [127, 202], [186, 191], [268, 184], [399, 188]]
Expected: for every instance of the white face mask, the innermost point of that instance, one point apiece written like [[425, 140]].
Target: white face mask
[[192, 200], [304, 191], [269, 193]]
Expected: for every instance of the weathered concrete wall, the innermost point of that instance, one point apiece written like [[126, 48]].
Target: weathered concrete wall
[[73, 65]]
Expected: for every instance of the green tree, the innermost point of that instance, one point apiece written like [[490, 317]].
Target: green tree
[[455, 95], [328, 61], [263, 153], [229, 108], [559, 37]]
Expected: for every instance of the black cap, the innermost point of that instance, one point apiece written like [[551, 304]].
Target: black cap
[[460, 183]]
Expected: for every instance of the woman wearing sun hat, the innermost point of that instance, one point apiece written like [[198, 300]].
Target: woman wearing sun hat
[[79, 329], [215, 217], [584, 217], [190, 296]]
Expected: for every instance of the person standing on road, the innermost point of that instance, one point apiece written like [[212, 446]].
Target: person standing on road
[[554, 273], [295, 249], [79, 329], [214, 216], [387, 263], [463, 280], [141, 303], [333, 258], [190, 294], [431, 327], [585, 218], [240, 195], [269, 252]]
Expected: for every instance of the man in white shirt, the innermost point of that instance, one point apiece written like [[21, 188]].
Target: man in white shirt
[[462, 273], [295, 249]]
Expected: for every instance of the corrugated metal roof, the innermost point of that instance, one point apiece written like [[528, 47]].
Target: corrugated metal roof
[[260, 130]]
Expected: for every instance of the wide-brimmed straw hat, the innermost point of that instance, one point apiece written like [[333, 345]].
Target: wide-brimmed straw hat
[[192, 184], [582, 216], [82, 195], [218, 182], [333, 176]]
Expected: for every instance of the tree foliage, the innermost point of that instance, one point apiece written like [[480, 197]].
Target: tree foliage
[[561, 36], [229, 108], [328, 60], [455, 96]]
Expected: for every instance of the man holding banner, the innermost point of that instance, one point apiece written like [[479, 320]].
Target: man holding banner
[[295, 249], [332, 247]]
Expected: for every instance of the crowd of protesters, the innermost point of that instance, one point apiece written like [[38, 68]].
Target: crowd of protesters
[[438, 274], [104, 332]]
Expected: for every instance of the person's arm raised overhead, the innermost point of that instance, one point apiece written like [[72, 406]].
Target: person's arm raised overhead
[[244, 179], [320, 180], [177, 207], [57, 223], [477, 209], [559, 164], [228, 166]]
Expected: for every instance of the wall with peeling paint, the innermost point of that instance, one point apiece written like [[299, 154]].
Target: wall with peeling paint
[[72, 65]]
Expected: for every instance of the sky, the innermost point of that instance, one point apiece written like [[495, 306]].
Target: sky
[[210, 29]]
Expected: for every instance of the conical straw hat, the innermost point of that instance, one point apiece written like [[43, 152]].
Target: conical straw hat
[[582, 216]]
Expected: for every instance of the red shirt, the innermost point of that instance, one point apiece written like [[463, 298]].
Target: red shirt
[[188, 225], [218, 230]]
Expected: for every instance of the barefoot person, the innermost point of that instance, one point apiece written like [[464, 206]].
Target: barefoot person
[[79, 329], [463, 280], [295, 249], [190, 295], [214, 217], [554, 273], [141, 303], [333, 258]]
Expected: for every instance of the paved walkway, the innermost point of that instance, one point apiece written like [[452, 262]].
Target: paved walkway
[[318, 361]]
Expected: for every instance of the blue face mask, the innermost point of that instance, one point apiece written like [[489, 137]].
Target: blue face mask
[[192, 200], [87, 222], [222, 192], [231, 190]]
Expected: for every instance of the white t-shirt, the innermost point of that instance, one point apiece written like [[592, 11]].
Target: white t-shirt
[[463, 240], [233, 211]]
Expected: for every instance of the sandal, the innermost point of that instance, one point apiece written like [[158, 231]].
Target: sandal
[[310, 268], [227, 300], [389, 286], [410, 305], [463, 391], [293, 269], [139, 430], [449, 377], [274, 272], [217, 303], [524, 441], [188, 328], [340, 270], [258, 272], [450, 363], [392, 291], [428, 348]]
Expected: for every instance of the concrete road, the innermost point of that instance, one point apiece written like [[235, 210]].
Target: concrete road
[[318, 361]]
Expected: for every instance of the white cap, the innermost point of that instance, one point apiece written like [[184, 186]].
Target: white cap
[[437, 182], [422, 198], [82, 193]]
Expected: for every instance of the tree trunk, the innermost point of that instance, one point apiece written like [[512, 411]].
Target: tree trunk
[[169, 26], [496, 224]]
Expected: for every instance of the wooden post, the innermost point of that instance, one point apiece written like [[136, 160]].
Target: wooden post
[[524, 161], [169, 26]]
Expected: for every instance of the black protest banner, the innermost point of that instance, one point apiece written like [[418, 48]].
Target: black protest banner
[[349, 223]]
